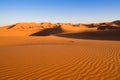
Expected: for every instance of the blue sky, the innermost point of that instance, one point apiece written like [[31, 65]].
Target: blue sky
[[68, 11]]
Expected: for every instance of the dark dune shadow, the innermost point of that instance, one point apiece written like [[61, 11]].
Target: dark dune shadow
[[94, 35], [48, 32]]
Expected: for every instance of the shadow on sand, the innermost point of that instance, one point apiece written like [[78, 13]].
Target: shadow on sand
[[48, 32], [112, 35], [94, 35]]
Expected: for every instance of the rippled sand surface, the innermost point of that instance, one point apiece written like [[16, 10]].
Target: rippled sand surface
[[54, 58]]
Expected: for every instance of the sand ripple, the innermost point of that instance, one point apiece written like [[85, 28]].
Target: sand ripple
[[93, 63]]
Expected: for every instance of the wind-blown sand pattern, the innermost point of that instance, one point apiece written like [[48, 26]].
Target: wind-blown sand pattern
[[64, 56]]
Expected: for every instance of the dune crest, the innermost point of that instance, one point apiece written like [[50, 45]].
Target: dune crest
[[26, 29]]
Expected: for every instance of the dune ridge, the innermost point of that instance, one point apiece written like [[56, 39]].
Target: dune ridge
[[47, 28]]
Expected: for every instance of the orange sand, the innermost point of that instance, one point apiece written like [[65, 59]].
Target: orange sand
[[65, 56]]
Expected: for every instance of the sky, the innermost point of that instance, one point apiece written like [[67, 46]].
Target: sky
[[62, 11]]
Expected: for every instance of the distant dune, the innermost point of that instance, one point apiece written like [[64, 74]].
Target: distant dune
[[61, 51], [109, 30]]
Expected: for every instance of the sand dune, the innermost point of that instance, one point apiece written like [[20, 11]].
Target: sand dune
[[38, 29], [48, 31], [20, 29], [25, 29], [46, 51], [73, 28]]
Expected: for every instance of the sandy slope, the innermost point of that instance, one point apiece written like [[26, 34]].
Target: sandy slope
[[55, 58], [76, 53]]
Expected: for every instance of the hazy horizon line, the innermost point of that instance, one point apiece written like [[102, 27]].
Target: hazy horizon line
[[56, 22]]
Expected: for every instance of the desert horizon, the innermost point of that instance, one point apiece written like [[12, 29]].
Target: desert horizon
[[61, 51]]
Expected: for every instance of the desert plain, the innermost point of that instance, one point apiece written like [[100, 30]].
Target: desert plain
[[61, 51]]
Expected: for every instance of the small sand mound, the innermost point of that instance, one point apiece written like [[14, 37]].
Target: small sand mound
[[108, 28], [116, 22], [72, 28]]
